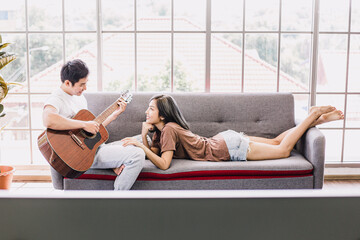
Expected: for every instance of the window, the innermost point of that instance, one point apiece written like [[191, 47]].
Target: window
[[184, 46], [4, 15], [337, 76]]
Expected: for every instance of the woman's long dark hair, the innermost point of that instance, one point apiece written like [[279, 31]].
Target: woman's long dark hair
[[169, 110]]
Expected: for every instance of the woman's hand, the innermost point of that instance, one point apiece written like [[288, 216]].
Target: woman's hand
[[132, 141], [146, 127]]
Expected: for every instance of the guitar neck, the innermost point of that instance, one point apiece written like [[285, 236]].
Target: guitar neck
[[106, 113]]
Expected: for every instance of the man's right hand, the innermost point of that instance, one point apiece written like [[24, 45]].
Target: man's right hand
[[91, 127]]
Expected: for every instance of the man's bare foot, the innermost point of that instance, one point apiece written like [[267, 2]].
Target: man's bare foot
[[118, 170], [329, 117]]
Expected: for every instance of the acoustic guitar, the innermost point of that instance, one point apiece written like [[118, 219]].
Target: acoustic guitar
[[72, 152]]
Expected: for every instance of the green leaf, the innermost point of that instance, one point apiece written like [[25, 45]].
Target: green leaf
[[3, 115], [7, 58], [1, 108], [4, 45], [0, 39]]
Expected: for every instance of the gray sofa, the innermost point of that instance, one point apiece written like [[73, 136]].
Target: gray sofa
[[259, 114]]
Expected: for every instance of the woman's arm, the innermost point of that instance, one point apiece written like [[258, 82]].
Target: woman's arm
[[146, 127], [163, 162]]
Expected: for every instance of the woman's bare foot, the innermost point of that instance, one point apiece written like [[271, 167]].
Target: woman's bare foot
[[118, 170], [320, 110], [329, 117]]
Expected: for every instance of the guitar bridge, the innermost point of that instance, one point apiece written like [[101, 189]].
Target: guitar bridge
[[76, 140]]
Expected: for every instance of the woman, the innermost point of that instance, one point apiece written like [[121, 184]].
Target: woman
[[173, 139]]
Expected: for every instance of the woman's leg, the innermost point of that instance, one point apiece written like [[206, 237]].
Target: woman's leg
[[324, 118], [264, 140], [261, 151]]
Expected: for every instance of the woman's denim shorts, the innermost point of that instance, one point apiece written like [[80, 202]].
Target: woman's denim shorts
[[237, 144]]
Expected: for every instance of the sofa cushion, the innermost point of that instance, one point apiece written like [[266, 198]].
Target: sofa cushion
[[182, 169]]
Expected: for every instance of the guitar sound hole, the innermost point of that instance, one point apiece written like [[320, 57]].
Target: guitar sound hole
[[87, 134]]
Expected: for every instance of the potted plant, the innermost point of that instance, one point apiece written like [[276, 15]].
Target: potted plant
[[6, 172]]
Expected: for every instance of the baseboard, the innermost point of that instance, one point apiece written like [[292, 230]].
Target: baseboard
[[32, 175], [342, 173]]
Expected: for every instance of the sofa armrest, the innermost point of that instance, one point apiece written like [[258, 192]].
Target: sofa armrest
[[312, 147], [57, 179]]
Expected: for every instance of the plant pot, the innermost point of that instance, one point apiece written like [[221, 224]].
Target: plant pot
[[6, 176]]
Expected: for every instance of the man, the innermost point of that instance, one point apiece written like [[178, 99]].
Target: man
[[66, 101]]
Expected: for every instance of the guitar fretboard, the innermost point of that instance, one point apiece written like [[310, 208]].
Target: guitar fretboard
[[106, 113], [126, 96]]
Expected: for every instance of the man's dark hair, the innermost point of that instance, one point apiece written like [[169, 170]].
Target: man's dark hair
[[73, 71]]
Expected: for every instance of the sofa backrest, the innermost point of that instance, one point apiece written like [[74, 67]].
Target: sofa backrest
[[256, 114]]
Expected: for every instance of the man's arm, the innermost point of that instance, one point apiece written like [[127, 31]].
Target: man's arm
[[116, 113], [52, 119]]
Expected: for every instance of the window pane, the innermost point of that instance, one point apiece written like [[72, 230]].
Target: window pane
[[227, 15], [331, 70], [153, 15], [333, 145], [226, 62], [117, 15], [334, 15], [333, 100], [355, 15], [44, 15], [38, 158], [260, 63], [153, 55], [296, 15], [118, 62], [351, 145], [45, 54], [12, 15], [189, 15], [17, 112], [295, 62], [301, 106], [353, 111], [80, 15], [37, 104], [262, 15], [11, 142], [16, 70], [83, 46], [354, 70], [189, 62]]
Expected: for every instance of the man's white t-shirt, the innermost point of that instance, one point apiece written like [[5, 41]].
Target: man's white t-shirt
[[68, 106]]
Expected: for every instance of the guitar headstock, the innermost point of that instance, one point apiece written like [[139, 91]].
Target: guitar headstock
[[126, 96]]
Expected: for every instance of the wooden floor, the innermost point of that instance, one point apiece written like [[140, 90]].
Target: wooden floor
[[341, 184]]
